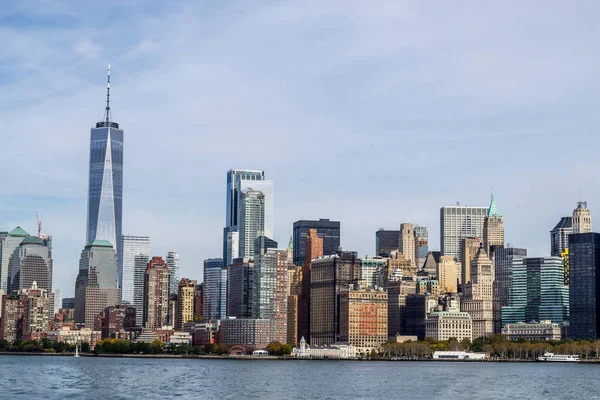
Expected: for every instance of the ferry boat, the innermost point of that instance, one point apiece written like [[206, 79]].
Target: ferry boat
[[559, 357]]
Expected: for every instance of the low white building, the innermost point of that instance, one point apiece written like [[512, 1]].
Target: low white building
[[72, 337], [459, 355], [179, 337], [342, 351], [543, 330], [443, 325]]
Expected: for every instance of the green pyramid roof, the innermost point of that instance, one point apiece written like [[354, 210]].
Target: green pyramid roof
[[32, 240], [493, 210], [18, 231], [101, 243]]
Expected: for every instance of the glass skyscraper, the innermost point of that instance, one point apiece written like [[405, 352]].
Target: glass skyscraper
[[132, 269], [584, 286], [215, 289], [173, 265], [105, 191], [9, 244], [327, 230]]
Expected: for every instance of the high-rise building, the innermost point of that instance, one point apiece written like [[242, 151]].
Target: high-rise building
[[240, 274], [40, 309], [96, 285], [330, 275], [457, 223], [478, 295], [469, 248], [251, 220], [370, 269], [31, 262], [430, 266], [582, 219], [215, 289], [9, 243], [447, 274], [14, 311], [503, 280], [271, 286], [584, 286], [173, 265], [313, 248], [132, 270], [364, 318], [398, 266], [493, 229], [538, 291], [421, 245], [407, 242], [386, 241], [156, 294], [559, 236], [105, 191], [198, 299], [397, 292], [185, 302], [327, 230]]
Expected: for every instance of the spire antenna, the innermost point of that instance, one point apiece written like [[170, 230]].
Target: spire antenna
[[107, 112]]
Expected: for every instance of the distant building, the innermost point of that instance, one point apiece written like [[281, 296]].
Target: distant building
[[398, 267], [447, 274], [543, 330], [457, 223], [132, 269], [478, 295], [198, 301], [417, 308], [313, 248], [559, 236], [493, 229], [239, 288], [252, 332], [72, 337], [116, 321], [370, 268], [292, 319], [582, 219], [364, 318], [421, 245], [31, 262], [13, 321], [9, 244], [173, 265], [215, 289], [327, 230], [156, 294], [185, 302], [68, 302], [397, 294], [407, 242], [538, 291], [584, 286], [430, 266], [503, 271], [469, 248], [443, 325], [386, 241], [342, 351], [252, 220], [96, 284]]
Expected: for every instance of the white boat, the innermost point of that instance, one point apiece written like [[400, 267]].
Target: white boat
[[76, 350], [559, 357]]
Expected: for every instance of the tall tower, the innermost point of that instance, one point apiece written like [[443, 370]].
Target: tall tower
[[478, 295], [313, 248], [156, 294], [173, 264], [407, 242], [105, 190], [457, 223], [493, 228], [582, 219], [132, 270]]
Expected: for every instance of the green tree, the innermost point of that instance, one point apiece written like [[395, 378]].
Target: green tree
[[156, 347], [274, 348], [286, 349], [85, 347]]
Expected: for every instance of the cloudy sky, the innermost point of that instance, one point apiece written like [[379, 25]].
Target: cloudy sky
[[371, 113]]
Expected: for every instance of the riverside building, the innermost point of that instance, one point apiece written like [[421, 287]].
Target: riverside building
[[132, 269], [364, 318]]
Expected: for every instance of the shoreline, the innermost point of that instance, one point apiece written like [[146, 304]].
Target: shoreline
[[271, 358]]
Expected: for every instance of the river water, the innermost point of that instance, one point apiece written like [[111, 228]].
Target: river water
[[47, 377]]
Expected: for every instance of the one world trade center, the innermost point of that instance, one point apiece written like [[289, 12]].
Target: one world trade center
[[105, 192]]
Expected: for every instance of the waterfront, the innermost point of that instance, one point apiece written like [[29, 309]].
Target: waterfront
[[132, 378]]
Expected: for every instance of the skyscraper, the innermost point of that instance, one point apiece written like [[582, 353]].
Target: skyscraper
[[215, 289], [251, 220], [421, 245], [185, 302], [503, 271], [96, 285], [240, 274], [156, 294], [493, 229], [469, 248], [478, 295], [407, 242], [9, 243], [457, 223], [105, 192], [386, 241], [31, 262], [327, 230], [584, 286], [132, 269], [559, 236], [313, 248], [582, 219], [173, 265]]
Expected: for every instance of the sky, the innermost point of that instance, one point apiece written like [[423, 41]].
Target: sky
[[370, 113]]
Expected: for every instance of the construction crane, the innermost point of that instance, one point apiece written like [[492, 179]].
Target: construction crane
[[39, 223]]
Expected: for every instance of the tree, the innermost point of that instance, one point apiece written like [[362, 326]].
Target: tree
[[286, 349], [85, 347], [156, 347], [274, 348]]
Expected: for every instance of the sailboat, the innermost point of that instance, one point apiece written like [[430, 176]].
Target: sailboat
[[76, 349]]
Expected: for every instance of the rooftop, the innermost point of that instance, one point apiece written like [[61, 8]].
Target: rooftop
[[18, 231], [101, 243], [33, 240]]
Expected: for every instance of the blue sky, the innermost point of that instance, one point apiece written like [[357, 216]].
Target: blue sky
[[372, 113]]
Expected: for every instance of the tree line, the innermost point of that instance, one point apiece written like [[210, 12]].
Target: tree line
[[40, 346]]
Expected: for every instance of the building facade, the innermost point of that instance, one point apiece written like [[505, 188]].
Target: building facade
[[559, 236], [582, 219], [327, 230], [31, 262], [313, 248], [447, 274], [421, 244], [173, 265], [443, 325], [386, 241], [364, 318], [584, 286], [370, 269], [398, 291], [132, 269], [240, 282], [252, 223], [493, 229], [478, 295], [543, 330], [9, 244], [407, 242], [215, 289], [156, 294], [251, 332], [469, 248], [185, 302], [457, 223]]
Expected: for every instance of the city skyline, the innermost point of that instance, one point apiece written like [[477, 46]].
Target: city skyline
[[41, 109]]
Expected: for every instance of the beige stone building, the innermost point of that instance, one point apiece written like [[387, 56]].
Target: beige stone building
[[399, 265], [156, 294], [407, 242], [185, 302], [478, 295], [582, 219], [469, 248], [447, 274], [364, 318], [493, 229], [443, 325]]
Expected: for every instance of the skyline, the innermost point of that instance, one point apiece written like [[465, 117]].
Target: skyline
[[516, 105]]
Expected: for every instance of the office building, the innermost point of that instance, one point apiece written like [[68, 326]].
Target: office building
[[96, 286], [364, 318], [252, 224], [173, 265], [105, 190], [542, 330], [493, 229], [14, 310], [370, 269], [313, 248], [430, 266], [469, 248], [116, 321], [215, 289], [478, 295], [582, 219], [397, 292], [418, 306], [132, 269], [31, 262], [386, 241], [447, 274], [421, 245], [255, 333], [68, 302], [240, 274], [156, 294], [457, 223], [538, 291], [443, 325], [559, 236], [327, 230], [503, 280], [584, 286], [185, 302], [330, 275], [407, 242], [9, 243]]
